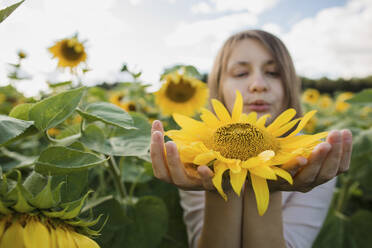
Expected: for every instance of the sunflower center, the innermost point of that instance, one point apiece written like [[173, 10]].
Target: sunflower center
[[242, 141], [181, 92], [71, 51]]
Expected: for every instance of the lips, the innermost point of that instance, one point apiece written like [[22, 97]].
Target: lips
[[259, 106]]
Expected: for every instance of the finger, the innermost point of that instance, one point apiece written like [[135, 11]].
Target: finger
[[308, 174], [157, 126], [293, 166], [347, 146], [206, 176], [159, 164], [331, 164], [176, 168]]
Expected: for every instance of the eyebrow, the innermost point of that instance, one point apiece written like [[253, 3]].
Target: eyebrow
[[268, 62]]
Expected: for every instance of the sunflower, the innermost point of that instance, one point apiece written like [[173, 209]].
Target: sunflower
[[181, 94], [325, 101], [341, 105], [70, 52], [310, 96], [241, 143], [41, 220]]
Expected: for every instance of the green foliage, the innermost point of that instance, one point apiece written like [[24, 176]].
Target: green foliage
[[4, 13], [11, 128]]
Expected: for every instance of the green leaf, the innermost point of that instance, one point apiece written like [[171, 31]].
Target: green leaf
[[53, 110], [364, 97], [58, 160], [122, 142], [134, 170], [4, 13], [10, 128], [21, 111], [362, 143], [107, 113], [74, 185]]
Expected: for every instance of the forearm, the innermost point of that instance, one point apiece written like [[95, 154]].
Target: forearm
[[222, 221], [262, 231]]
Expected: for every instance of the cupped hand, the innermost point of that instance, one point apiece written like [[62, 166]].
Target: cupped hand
[[327, 160], [168, 167]]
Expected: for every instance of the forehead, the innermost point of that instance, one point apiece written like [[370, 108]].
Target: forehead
[[249, 51]]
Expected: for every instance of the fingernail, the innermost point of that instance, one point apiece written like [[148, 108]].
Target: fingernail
[[336, 137]]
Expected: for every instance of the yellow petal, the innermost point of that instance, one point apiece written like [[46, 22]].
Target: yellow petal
[[234, 166], [282, 119], [204, 158], [261, 191], [219, 169], [266, 155], [83, 241], [283, 174], [64, 239], [209, 118], [221, 111], [262, 120], [13, 237], [303, 122], [251, 118], [237, 180], [305, 141], [36, 235], [285, 128], [238, 107], [53, 238], [263, 171], [188, 123]]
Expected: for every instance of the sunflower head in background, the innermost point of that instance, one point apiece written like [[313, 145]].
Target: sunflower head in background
[[181, 94], [70, 52], [310, 96], [240, 143]]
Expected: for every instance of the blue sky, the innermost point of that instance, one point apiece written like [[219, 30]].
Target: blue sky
[[325, 37]]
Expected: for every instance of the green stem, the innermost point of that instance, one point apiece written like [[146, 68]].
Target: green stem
[[134, 184], [116, 175], [346, 182]]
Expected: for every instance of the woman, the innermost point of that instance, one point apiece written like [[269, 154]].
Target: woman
[[258, 65]]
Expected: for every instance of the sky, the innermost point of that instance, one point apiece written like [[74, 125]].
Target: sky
[[329, 38]]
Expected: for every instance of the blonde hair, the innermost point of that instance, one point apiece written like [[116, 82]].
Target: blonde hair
[[281, 56]]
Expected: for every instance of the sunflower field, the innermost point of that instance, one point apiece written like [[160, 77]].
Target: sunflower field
[[75, 169]]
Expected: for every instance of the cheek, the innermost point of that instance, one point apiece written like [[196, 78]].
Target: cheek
[[229, 95]]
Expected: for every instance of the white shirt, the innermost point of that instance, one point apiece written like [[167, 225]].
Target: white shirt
[[303, 214]]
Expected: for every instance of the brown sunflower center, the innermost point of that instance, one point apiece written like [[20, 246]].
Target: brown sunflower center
[[242, 141], [72, 51], [181, 92]]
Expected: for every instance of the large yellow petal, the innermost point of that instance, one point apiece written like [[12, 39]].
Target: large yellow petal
[[237, 180], [83, 241], [238, 107], [262, 120], [36, 235], [209, 118], [188, 123], [64, 238], [234, 166], [305, 141], [13, 237], [261, 191], [219, 169], [221, 111], [53, 238], [264, 172], [251, 118], [283, 174], [285, 128], [303, 122], [281, 120], [204, 158]]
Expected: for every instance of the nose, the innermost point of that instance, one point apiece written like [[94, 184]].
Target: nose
[[258, 83]]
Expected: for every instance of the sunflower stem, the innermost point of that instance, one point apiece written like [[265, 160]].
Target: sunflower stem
[[346, 182], [116, 174]]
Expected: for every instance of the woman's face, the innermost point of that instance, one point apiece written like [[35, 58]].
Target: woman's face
[[252, 70]]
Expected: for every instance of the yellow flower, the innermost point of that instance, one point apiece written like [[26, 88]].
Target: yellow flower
[[26, 231], [366, 111], [54, 131], [129, 106], [22, 55], [341, 105], [241, 143], [310, 126], [325, 101], [181, 94], [310, 96], [69, 52]]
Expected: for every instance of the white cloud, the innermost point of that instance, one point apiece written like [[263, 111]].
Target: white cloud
[[256, 7], [335, 43], [135, 2], [202, 8], [272, 28]]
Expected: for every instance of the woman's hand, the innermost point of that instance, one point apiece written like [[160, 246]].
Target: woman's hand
[[168, 167], [326, 161]]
